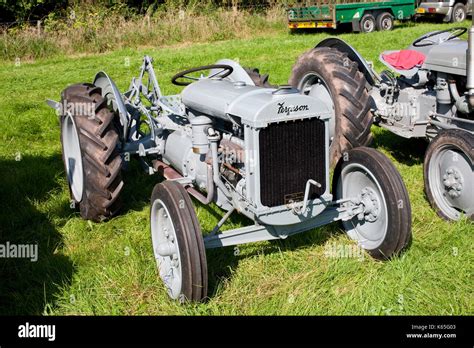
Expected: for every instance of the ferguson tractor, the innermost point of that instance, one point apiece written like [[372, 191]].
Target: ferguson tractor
[[427, 92], [231, 139]]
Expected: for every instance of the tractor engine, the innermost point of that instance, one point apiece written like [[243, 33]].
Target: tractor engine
[[405, 107], [249, 147], [403, 104]]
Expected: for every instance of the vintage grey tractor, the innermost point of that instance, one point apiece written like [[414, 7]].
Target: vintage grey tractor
[[232, 139], [427, 92]]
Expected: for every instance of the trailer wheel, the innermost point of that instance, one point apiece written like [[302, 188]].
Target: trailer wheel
[[384, 21], [459, 13], [384, 227], [331, 76], [368, 23], [89, 140], [178, 244], [448, 171]]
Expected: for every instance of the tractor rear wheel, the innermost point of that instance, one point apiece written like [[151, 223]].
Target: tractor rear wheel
[[259, 79], [449, 177], [331, 76], [89, 140]]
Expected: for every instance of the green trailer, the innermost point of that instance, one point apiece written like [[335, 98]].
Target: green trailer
[[364, 16]]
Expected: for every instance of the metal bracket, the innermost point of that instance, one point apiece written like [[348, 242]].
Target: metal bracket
[[216, 229]]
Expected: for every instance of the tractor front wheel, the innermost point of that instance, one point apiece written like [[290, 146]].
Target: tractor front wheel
[[383, 227], [178, 244]]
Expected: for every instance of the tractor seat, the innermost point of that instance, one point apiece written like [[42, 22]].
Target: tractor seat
[[404, 62]]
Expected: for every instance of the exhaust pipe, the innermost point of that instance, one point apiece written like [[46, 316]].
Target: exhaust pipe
[[470, 65]]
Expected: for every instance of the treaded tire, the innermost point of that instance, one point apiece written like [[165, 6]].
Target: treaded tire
[[347, 87], [398, 214], [453, 139], [259, 79], [102, 163], [190, 241], [384, 21], [456, 8], [368, 23]]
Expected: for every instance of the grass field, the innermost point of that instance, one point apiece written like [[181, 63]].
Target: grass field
[[108, 268]]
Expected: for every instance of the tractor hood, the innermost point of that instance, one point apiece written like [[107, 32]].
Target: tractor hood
[[255, 106], [448, 57]]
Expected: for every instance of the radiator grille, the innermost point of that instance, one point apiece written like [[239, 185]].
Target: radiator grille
[[291, 153]]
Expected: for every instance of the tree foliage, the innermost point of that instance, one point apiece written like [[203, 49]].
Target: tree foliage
[[28, 10]]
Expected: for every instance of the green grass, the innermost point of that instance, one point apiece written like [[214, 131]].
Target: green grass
[[108, 268]]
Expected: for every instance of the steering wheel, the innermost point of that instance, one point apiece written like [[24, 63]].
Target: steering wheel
[[456, 32], [224, 71]]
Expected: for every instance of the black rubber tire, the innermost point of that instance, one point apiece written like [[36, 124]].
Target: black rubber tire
[[102, 162], [347, 86], [191, 243], [458, 7], [398, 235], [460, 139], [384, 16], [366, 19], [259, 79]]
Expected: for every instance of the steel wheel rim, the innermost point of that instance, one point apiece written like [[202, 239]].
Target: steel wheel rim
[[314, 85], [445, 159], [459, 15], [369, 235], [170, 272], [386, 23], [368, 26], [73, 157]]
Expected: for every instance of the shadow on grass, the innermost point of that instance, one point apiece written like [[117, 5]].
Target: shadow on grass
[[138, 187], [27, 287], [222, 262], [406, 151]]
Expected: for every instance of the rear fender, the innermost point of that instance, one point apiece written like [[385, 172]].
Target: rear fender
[[370, 75], [112, 94], [358, 14], [239, 73]]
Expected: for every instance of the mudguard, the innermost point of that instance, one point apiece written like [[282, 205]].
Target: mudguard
[[370, 75], [239, 73], [112, 94]]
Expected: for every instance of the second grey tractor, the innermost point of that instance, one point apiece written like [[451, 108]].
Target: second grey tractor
[[431, 97]]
